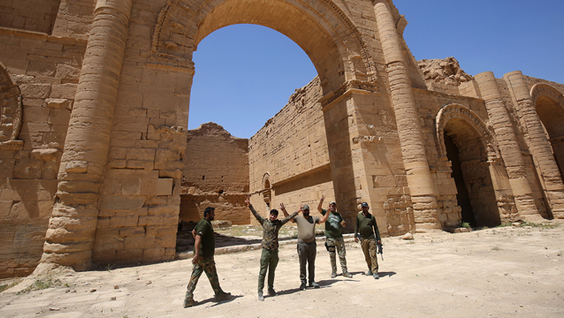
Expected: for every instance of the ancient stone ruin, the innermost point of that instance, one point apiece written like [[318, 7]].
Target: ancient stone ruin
[[97, 166]]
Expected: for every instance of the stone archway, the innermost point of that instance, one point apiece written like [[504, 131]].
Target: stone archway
[[549, 104], [267, 189], [120, 176], [465, 141], [319, 27]]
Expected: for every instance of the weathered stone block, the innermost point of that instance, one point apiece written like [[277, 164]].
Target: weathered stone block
[[122, 202], [152, 255], [135, 242], [164, 186], [132, 231], [28, 169], [77, 166], [140, 164], [36, 90], [166, 210], [141, 154], [5, 208], [127, 221], [129, 255]]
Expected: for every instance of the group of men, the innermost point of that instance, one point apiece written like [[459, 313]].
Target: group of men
[[366, 229]]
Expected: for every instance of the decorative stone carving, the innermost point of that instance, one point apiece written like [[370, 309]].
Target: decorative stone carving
[[10, 111]]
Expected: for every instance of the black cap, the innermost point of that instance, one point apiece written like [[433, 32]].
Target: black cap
[[364, 205]]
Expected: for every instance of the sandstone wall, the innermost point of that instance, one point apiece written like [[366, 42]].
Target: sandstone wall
[[45, 70], [138, 224], [289, 155], [369, 128], [30, 15], [216, 174]]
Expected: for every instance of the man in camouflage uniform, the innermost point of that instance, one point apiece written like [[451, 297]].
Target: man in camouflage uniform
[[269, 257], [367, 229], [203, 261], [335, 242]]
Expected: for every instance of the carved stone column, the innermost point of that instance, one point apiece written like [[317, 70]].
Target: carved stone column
[[419, 177], [508, 145], [537, 142], [70, 237]]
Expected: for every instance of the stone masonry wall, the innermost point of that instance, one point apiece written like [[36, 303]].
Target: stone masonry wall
[[138, 223], [46, 70], [216, 173], [30, 15], [290, 151]]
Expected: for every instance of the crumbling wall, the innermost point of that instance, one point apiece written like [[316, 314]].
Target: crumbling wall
[[443, 75], [216, 173]]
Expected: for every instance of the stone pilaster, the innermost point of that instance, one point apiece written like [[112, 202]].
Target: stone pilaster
[[419, 177], [537, 141], [508, 145], [70, 237]]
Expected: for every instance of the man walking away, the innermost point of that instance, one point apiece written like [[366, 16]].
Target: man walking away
[[203, 261]]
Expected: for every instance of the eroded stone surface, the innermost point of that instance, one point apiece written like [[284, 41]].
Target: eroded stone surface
[[96, 166]]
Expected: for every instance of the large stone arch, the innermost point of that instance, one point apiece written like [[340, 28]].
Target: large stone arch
[[549, 103], [465, 141], [319, 27]]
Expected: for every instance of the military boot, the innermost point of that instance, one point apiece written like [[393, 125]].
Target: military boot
[[189, 302]]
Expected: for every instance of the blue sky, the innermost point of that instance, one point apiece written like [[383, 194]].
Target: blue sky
[[246, 73]]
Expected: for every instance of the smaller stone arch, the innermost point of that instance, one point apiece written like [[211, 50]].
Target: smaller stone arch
[[467, 146], [453, 111], [549, 105], [11, 110], [544, 90], [267, 189]]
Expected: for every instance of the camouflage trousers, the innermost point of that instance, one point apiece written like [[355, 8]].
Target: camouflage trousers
[[334, 246], [369, 248], [207, 265]]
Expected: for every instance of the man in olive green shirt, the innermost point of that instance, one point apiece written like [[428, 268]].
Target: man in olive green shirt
[[204, 248], [335, 242], [269, 257], [367, 229]]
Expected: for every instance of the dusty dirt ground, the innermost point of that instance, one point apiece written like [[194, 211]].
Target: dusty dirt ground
[[499, 272]]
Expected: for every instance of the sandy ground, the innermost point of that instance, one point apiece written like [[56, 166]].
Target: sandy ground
[[499, 272]]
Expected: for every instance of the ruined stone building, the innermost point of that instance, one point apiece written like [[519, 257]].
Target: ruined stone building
[[94, 98], [216, 174]]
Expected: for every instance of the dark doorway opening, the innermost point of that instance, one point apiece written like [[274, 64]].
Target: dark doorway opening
[[462, 193]]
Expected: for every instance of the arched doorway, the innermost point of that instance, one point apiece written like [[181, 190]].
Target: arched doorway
[[463, 134], [146, 139], [549, 104]]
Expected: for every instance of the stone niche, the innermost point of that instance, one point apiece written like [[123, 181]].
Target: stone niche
[[216, 174]]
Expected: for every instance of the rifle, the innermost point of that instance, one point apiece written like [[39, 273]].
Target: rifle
[[380, 249]]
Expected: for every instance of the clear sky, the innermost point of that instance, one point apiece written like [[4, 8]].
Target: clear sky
[[246, 73]]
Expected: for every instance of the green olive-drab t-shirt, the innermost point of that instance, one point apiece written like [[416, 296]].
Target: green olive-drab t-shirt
[[205, 230], [366, 226], [333, 224]]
